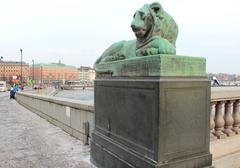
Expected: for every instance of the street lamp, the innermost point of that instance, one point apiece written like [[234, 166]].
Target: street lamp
[[1, 58], [4, 72], [41, 76], [33, 73], [21, 65]]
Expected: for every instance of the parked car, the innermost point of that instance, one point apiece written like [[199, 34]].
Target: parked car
[[3, 86], [37, 87]]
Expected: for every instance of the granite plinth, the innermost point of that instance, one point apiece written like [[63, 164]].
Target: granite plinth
[[152, 112], [151, 122]]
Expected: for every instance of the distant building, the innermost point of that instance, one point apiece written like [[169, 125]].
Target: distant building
[[238, 77], [54, 72], [222, 76], [86, 74], [10, 71]]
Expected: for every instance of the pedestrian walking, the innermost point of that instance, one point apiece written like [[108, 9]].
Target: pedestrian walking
[[13, 91]]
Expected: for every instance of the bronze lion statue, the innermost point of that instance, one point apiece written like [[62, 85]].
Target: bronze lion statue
[[156, 33]]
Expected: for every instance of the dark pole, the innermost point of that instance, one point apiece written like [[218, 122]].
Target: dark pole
[[33, 73], [41, 76], [4, 71], [1, 58], [21, 65]]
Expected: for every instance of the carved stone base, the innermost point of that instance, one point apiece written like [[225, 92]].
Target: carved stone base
[[151, 122], [229, 132], [220, 134], [236, 130], [212, 137]]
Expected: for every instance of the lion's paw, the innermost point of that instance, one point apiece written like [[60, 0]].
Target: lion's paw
[[113, 58], [152, 51]]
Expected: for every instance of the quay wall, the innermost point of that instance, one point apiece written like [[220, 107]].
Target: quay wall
[[74, 118]]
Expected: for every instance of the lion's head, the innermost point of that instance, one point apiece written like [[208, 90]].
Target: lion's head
[[151, 20]]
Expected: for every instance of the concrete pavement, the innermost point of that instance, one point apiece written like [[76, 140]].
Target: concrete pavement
[[26, 140]]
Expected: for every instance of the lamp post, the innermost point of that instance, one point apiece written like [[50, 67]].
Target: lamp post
[[21, 65], [32, 73], [41, 77], [1, 58]]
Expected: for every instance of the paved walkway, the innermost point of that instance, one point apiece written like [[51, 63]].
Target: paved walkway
[[26, 140]]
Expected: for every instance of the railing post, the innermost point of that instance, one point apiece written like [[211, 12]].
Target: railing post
[[219, 121], [212, 123], [236, 117], [87, 132], [228, 119]]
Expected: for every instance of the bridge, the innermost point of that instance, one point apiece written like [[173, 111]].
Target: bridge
[[27, 139]]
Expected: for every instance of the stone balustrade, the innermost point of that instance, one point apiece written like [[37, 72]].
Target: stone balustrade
[[225, 126], [225, 116]]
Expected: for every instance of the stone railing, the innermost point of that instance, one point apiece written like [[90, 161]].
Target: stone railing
[[225, 116], [70, 115]]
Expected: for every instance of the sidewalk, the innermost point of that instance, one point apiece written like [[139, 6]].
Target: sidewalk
[[26, 140]]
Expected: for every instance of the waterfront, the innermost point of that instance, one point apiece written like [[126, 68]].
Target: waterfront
[[85, 96]]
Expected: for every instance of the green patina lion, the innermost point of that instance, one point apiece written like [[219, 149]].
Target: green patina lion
[[156, 33]]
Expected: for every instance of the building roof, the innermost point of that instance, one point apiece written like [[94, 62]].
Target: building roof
[[13, 62], [86, 68], [57, 65]]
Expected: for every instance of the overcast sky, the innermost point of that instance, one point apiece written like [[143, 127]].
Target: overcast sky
[[77, 32]]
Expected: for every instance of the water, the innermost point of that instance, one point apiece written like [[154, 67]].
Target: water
[[85, 96]]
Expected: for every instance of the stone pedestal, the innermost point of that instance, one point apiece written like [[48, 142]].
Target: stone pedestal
[[152, 121]]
